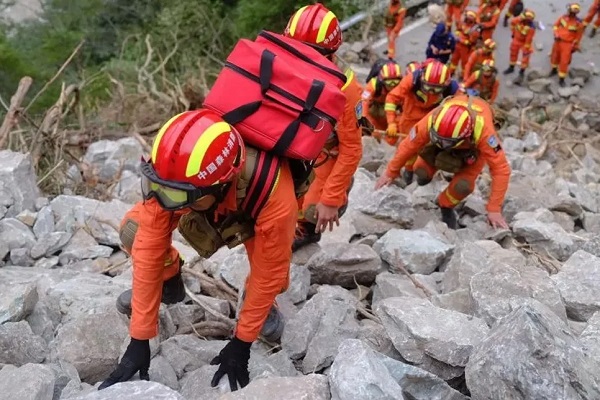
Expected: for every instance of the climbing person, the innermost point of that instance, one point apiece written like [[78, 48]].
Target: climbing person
[[393, 21], [417, 94], [476, 59], [441, 44], [568, 30], [454, 10], [484, 81], [514, 10], [593, 12], [327, 198], [458, 137], [488, 17], [523, 30], [467, 35], [375, 92]]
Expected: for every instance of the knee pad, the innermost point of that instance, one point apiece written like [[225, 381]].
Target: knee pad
[[127, 234], [463, 187], [422, 177]]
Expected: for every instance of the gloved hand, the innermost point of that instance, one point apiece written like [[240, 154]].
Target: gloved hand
[[392, 129], [233, 360], [136, 358]]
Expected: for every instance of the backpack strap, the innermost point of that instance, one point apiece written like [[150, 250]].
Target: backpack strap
[[263, 179]]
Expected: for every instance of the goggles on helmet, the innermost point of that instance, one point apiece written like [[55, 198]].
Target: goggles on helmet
[[390, 83], [170, 195], [427, 88], [442, 142]]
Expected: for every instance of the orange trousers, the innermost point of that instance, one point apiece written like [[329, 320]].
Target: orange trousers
[[392, 36], [462, 184], [516, 47], [561, 56], [460, 56], [453, 13]]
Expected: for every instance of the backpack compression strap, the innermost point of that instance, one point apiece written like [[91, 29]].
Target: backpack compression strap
[[264, 177]]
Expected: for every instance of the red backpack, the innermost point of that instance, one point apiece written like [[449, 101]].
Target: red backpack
[[283, 96]]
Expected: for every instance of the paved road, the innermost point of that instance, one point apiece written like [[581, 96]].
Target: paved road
[[412, 41]]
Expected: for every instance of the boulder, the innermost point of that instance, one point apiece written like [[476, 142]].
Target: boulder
[[545, 237], [17, 300], [29, 382], [20, 345], [16, 235], [196, 384], [109, 158], [308, 387], [267, 365], [50, 244], [395, 285], [139, 390], [235, 268], [19, 181], [187, 353], [590, 337], [300, 277], [44, 223], [389, 203], [44, 318], [162, 372], [373, 334]]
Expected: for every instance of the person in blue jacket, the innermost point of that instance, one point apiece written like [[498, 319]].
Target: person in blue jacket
[[441, 44]]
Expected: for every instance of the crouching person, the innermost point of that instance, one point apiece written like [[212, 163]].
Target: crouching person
[[196, 180]]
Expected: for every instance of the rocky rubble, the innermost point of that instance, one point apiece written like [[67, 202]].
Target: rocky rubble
[[392, 304]]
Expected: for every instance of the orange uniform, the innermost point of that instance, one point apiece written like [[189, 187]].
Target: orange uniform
[[488, 150], [454, 10], [488, 17], [466, 38], [486, 85], [567, 34], [475, 60], [269, 252], [373, 98], [394, 21], [523, 31], [334, 176], [594, 11]]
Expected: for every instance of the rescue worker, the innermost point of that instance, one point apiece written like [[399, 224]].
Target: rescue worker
[[467, 36], [454, 10], [193, 182], [523, 30], [441, 44], [458, 137], [417, 94], [327, 198], [373, 96], [594, 11], [484, 81], [568, 30], [488, 17], [394, 21], [476, 59], [514, 9], [411, 67]]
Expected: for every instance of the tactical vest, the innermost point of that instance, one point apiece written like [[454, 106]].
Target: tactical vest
[[485, 92]]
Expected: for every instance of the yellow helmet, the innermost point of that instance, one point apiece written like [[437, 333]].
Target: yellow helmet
[[529, 14], [574, 8]]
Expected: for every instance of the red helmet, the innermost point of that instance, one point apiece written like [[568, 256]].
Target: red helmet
[[434, 76], [450, 125], [489, 45], [317, 26], [411, 67], [195, 153], [470, 15], [488, 66]]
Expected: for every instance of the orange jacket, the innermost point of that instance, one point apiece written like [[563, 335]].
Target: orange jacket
[[488, 16], [475, 60], [487, 86], [523, 32], [414, 104], [368, 94], [269, 253], [462, 3], [466, 35], [394, 19], [568, 29], [486, 142], [349, 150]]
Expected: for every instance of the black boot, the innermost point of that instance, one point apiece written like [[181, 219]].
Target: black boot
[[509, 70], [553, 72], [561, 82], [520, 78], [408, 176], [506, 18], [173, 292], [593, 32], [305, 234], [449, 217]]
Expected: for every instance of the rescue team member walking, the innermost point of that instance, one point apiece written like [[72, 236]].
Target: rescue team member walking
[[568, 30], [467, 36], [454, 10], [457, 137], [375, 92], [484, 82], [488, 17], [197, 160], [327, 196], [523, 31], [593, 12], [394, 21], [477, 57]]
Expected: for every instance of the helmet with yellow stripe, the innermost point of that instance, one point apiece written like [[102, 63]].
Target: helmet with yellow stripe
[[489, 45], [411, 67], [317, 26], [574, 8], [390, 74], [451, 125], [528, 14], [488, 67], [435, 76], [470, 16], [195, 154]]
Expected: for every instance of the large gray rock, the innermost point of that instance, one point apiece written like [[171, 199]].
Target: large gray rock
[[297, 291], [308, 387], [344, 264], [548, 238], [418, 250], [420, 331], [235, 268], [139, 390], [17, 300], [467, 260], [16, 235], [187, 353], [373, 334], [395, 285], [107, 158], [44, 223], [579, 283], [319, 327], [498, 290], [388, 203], [18, 180], [361, 373], [276, 364], [590, 337], [531, 354], [50, 244], [196, 384], [92, 343], [29, 382], [44, 318], [162, 372], [19, 345]]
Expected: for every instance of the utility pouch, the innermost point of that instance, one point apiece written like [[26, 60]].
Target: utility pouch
[[448, 162], [200, 234]]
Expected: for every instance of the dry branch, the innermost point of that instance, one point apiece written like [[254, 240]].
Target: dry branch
[[11, 118], [207, 308], [399, 265]]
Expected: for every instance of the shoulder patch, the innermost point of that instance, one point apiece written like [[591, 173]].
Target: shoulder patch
[[494, 144], [412, 134], [365, 94], [358, 109]]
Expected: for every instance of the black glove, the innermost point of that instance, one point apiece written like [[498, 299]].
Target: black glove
[[136, 358], [233, 360]]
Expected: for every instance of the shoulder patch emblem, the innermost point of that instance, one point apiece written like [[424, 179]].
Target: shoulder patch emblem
[[365, 95], [494, 144], [358, 109], [412, 134]]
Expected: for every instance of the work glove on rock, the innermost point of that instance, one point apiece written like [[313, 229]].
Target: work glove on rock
[[233, 360], [136, 358]]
